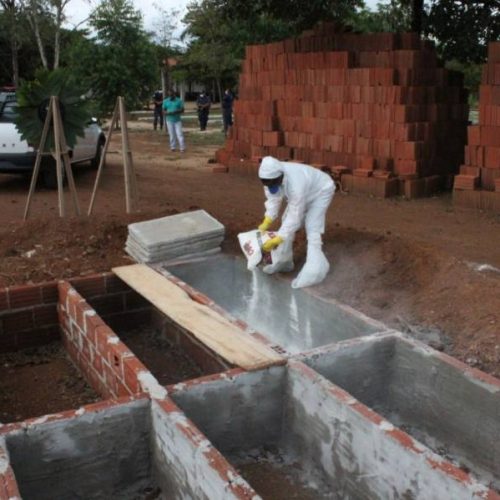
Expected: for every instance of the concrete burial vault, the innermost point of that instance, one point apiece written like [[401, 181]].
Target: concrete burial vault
[[293, 396]]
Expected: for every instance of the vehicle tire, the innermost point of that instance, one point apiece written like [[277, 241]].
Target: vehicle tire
[[49, 175], [94, 163]]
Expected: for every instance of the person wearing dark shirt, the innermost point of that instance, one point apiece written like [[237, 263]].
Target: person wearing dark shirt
[[203, 102], [227, 110], [158, 109]]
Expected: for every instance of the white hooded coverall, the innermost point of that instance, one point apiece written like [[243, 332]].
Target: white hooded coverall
[[309, 192]]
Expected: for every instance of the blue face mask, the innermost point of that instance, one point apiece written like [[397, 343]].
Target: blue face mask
[[274, 188]]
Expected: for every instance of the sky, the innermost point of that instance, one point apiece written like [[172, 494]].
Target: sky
[[78, 10]]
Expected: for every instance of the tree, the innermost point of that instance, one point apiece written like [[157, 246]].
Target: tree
[[120, 60], [463, 28], [164, 26], [11, 19], [394, 16], [295, 13], [210, 55]]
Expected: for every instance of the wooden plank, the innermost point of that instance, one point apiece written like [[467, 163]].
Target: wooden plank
[[208, 326]]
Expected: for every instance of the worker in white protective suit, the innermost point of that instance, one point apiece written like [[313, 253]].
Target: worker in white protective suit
[[309, 193]]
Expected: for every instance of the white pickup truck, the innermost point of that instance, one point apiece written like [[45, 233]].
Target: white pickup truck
[[17, 157]]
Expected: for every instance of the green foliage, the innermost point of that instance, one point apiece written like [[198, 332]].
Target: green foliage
[[296, 14], [120, 61], [463, 28], [394, 16], [472, 77], [33, 98]]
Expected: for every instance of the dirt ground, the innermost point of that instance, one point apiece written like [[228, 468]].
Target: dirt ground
[[423, 266], [59, 385], [168, 363]]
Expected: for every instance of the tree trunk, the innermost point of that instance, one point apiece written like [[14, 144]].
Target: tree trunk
[[33, 20], [15, 61], [219, 90], [57, 35], [417, 7], [10, 9]]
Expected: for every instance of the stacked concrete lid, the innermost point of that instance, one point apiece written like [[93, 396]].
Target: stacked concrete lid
[[187, 234]]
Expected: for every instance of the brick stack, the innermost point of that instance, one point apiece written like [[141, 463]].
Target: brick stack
[[478, 184], [377, 108]]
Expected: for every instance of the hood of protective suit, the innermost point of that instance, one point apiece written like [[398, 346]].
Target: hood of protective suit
[[270, 168]]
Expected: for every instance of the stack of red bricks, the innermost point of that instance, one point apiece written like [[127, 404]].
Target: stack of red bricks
[[478, 184], [369, 106]]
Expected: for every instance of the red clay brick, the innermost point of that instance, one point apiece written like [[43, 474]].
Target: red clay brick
[[385, 188], [90, 286], [122, 389], [102, 335], [96, 360], [108, 304], [492, 156], [114, 284], [8, 340], [466, 182], [46, 315], [361, 172], [473, 135], [414, 188], [490, 201], [38, 337], [18, 321], [488, 178], [50, 293], [467, 170], [24, 296], [116, 354], [92, 323], [4, 299], [494, 52]]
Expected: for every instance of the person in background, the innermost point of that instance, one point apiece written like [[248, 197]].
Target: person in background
[[203, 102], [227, 110], [158, 109], [173, 106], [309, 192]]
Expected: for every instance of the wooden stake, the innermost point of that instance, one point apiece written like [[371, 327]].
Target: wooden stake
[[66, 162], [131, 192], [103, 158], [128, 169], [38, 161], [61, 157]]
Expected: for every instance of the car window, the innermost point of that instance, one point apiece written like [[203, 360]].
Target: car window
[[8, 111]]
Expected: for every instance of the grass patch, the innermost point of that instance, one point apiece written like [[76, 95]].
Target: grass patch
[[208, 138]]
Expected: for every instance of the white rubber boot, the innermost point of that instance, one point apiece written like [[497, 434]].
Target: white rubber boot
[[316, 267]]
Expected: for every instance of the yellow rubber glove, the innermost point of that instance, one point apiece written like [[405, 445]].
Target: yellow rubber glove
[[265, 224], [272, 243]]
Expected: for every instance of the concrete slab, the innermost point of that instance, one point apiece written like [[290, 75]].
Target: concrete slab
[[292, 319], [175, 228], [174, 236]]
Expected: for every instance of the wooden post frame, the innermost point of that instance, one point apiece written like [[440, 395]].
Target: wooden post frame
[[131, 192], [61, 156]]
